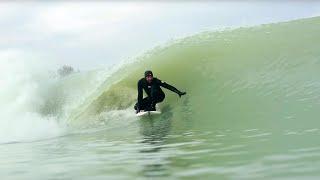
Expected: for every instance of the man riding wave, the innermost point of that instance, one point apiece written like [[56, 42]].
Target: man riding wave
[[152, 86]]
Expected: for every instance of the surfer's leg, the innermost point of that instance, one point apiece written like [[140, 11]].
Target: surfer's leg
[[144, 105], [157, 96], [160, 97]]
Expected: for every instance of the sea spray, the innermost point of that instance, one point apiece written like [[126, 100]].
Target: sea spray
[[21, 98]]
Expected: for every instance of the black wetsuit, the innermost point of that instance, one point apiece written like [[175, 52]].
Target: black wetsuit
[[154, 92]]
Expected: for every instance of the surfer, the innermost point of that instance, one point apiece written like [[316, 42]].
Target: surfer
[[152, 86]]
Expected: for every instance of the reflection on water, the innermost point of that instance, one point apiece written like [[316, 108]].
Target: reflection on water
[[154, 130]]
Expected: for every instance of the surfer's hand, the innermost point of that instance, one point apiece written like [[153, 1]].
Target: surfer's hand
[[181, 93], [137, 110]]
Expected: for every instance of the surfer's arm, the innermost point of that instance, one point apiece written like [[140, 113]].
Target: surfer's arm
[[171, 88], [140, 93]]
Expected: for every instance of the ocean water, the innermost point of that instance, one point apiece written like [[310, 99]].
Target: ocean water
[[251, 112]]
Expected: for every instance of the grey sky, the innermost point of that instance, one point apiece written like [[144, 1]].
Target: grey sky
[[98, 34]]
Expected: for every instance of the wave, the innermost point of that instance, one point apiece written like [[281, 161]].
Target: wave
[[265, 76], [253, 77]]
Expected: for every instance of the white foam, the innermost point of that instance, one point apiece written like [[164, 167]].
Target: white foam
[[21, 84]]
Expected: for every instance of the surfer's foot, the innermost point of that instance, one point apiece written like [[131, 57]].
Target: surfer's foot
[[151, 108]]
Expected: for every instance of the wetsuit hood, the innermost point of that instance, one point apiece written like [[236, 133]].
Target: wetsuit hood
[[148, 73]]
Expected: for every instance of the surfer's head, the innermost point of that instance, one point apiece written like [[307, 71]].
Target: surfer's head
[[148, 75]]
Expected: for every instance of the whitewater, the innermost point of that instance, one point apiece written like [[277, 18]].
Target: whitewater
[[251, 112]]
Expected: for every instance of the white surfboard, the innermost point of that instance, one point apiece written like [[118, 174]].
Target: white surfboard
[[147, 113]]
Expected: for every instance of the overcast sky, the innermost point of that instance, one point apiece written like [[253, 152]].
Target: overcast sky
[[98, 34]]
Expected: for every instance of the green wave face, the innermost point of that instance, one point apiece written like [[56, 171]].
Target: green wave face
[[266, 76]]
